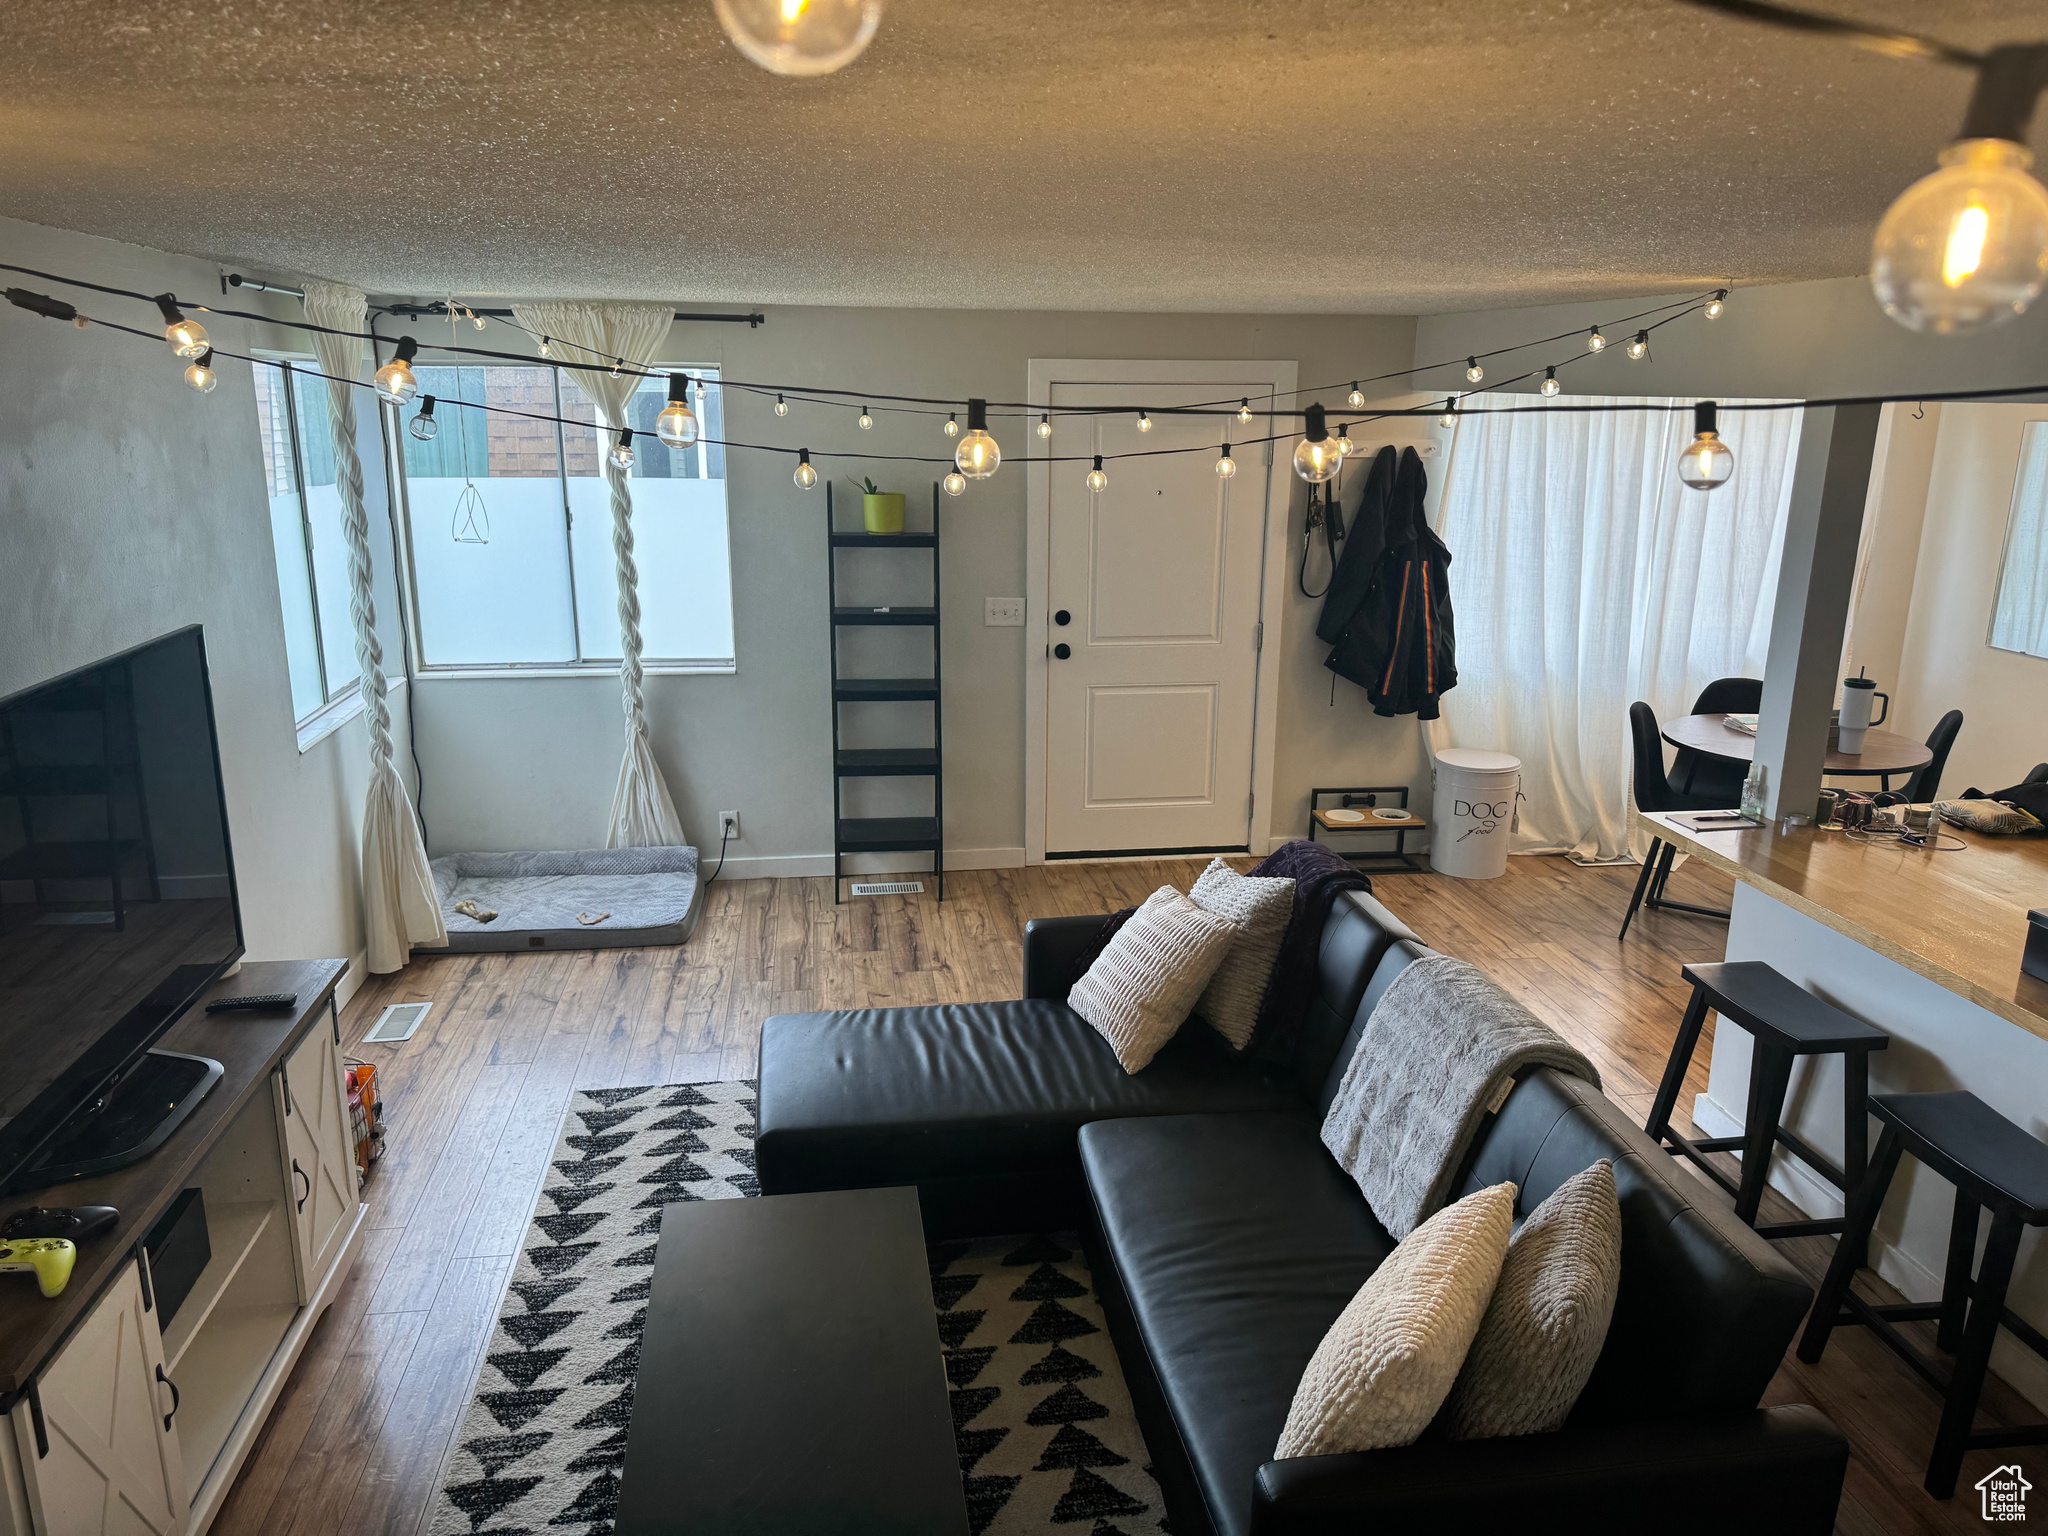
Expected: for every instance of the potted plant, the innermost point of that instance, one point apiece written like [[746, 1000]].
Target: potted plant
[[881, 511]]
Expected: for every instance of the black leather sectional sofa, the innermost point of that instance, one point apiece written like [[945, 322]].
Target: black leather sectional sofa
[[1225, 1241]]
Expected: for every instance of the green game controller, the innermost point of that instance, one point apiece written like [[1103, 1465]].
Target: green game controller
[[50, 1257]]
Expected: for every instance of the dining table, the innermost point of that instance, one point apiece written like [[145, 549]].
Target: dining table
[[1885, 754]]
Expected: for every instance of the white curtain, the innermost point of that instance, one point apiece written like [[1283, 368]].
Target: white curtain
[[1585, 577], [400, 907], [643, 813]]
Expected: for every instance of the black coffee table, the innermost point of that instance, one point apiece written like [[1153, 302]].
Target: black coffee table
[[790, 1377]]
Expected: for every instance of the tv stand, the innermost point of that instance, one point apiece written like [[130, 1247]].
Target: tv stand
[[136, 1116]]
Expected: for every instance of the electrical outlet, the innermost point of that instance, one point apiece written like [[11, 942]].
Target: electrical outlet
[[728, 826], [1004, 613]]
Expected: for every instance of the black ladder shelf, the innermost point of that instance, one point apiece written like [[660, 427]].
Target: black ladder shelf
[[885, 834]]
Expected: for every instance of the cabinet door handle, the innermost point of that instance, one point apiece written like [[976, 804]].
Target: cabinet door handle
[[175, 1399], [309, 1183]]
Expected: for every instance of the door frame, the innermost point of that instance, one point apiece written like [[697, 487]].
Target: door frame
[[1282, 377]]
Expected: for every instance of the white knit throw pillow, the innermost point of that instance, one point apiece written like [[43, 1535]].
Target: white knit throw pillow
[[1143, 985], [1544, 1329], [1259, 909], [1388, 1362]]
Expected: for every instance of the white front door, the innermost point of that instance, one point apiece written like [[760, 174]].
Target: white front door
[[1152, 611]]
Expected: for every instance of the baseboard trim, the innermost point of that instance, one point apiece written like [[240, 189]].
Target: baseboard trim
[[807, 865], [2022, 1370]]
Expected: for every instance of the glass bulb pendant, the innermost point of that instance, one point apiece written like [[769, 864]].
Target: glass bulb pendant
[[547, 346], [800, 37], [1345, 447], [1966, 247], [805, 476], [781, 406], [1317, 457], [1447, 419], [187, 338], [677, 424], [952, 427], [955, 483], [423, 426], [1714, 306], [396, 382], [1097, 480], [866, 422], [1473, 372], [1595, 342], [200, 375], [1244, 410], [1226, 466], [1356, 398], [977, 456], [1044, 426], [1706, 462], [1144, 422], [1550, 386], [1640, 347], [622, 450]]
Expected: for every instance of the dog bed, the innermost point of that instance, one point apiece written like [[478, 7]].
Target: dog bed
[[651, 894]]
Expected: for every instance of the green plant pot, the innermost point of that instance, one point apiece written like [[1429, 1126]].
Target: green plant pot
[[883, 513]]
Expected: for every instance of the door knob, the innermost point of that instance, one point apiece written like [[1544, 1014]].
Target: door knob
[[1063, 617], [1063, 651]]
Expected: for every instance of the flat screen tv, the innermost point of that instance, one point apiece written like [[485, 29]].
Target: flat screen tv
[[117, 899]]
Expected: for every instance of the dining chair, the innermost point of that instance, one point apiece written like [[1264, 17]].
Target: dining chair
[[1657, 790], [1718, 778], [1926, 782]]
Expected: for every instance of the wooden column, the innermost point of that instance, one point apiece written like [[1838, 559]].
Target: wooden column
[[1830, 483]]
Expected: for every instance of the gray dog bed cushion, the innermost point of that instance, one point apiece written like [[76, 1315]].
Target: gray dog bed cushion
[[652, 894]]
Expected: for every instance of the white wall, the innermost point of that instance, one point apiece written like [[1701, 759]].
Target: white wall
[[531, 762], [131, 506]]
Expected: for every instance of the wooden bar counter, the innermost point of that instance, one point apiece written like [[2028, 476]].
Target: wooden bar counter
[[1957, 918]]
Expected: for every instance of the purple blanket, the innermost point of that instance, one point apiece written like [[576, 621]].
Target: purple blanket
[[1318, 875]]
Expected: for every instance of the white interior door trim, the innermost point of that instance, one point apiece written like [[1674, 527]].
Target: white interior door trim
[[1044, 374]]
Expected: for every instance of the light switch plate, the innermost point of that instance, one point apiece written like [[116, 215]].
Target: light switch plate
[[1005, 612]]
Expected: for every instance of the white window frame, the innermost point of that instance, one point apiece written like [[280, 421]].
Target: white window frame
[[401, 500]]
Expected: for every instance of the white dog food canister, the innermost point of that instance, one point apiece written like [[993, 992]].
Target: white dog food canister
[[1474, 812]]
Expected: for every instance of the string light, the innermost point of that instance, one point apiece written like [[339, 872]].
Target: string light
[[200, 374], [1044, 425], [1317, 457], [547, 346], [781, 406], [955, 483], [1447, 419], [1473, 372], [1966, 247], [1595, 342], [1226, 466], [977, 457], [423, 426], [396, 381], [866, 422], [1639, 348], [805, 475], [800, 37], [187, 337], [677, 424], [1357, 396], [1707, 462], [622, 450], [1344, 443], [1550, 385], [1097, 480], [1713, 307], [1244, 410], [952, 427], [1144, 422]]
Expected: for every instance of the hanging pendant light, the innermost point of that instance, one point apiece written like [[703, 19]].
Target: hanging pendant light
[[955, 483], [395, 381], [677, 424], [781, 406], [1317, 457], [1550, 386], [1097, 479], [1707, 462], [1044, 425], [866, 422], [1473, 372], [1639, 348], [1226, 466], [622, 450], [187, 338], [423, 426], [977, 457], [952, 426], [805, 476], [200, 375], [800, 37]]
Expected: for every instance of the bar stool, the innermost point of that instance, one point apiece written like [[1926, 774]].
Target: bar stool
[[1993, 1164], [1784, 1021]]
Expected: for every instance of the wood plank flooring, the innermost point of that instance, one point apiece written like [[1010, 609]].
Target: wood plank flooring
[[474, 1099]]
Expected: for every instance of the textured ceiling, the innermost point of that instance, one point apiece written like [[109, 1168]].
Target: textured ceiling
[[1393, 157]]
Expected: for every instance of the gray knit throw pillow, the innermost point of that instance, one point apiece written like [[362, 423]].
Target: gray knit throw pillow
[[1258, 909]]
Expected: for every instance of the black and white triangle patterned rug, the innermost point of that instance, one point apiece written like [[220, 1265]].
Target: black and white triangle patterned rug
[[1041, 1417]]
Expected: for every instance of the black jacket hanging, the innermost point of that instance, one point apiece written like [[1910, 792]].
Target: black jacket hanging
[[1351, 579], [1399, 645]]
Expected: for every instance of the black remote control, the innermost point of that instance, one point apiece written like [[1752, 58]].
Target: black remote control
[[262, 1002]]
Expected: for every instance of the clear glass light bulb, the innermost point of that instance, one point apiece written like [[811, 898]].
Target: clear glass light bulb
[[1244, 410], [1550, 386], [781, 406], [423, 427], [1345, 447], [1966, 247], [1714, 307], [1318, 461], [547, 347], [1097, 480], [1706, 462], [867, 422], [187, 338], [1595, 342], [1473, 372], [1447, 420], [476, 319], [1356, 397], [1144, 422], [1226, 466], [1640, 347], [800, 37], [1045, 426], [201, 377], [977, 456], [955, 484], [397, 382], [676, 425], [806, 475], [622, 455], [952, 427]]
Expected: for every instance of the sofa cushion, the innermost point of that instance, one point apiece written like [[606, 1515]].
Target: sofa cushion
[[1259, 910], [1143, 985], [1236, 1242], [905, 1095]]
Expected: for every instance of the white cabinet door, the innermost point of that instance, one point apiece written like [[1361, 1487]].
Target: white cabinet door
[[112, 1465], [311, 1091]]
